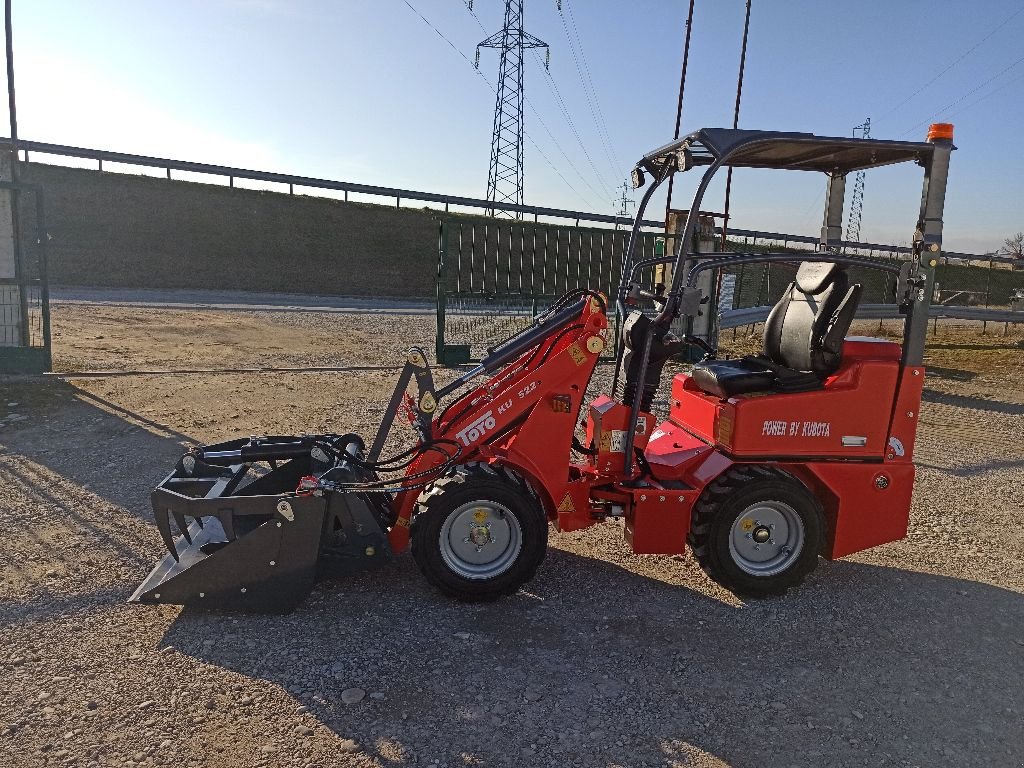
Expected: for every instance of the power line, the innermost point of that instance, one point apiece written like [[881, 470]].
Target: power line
[[553, 87], [971, 92], [993, 92], [494, 91], [962, 56], [602, 125], [588, 84]]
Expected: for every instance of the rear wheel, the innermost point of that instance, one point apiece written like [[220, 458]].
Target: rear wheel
[[479, 533], [757, 531]]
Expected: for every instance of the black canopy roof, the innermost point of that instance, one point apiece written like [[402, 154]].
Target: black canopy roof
[[795, 151]]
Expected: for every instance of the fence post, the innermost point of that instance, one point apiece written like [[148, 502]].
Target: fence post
[[988, 291], [441, 298], [44, 276]]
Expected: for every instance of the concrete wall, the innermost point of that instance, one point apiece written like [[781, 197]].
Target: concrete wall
[[118, 230]]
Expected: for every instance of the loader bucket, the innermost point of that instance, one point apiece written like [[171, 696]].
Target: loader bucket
[[252, 540], [269, 569]]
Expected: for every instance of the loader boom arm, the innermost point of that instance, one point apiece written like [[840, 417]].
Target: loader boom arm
[[548, 367]]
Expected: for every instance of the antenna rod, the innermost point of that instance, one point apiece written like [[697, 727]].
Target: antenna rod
[[679, 104], [735, 122]]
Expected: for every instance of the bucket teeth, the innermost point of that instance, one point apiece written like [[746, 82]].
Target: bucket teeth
[[227, 522], [163, 524], [179, 518]]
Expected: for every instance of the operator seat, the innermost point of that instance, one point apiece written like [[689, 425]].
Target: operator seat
[[803, 338]]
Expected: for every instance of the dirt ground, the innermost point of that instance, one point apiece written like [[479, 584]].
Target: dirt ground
[[911, 654]]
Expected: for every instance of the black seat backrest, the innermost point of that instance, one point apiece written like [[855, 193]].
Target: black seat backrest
[[805, 330]]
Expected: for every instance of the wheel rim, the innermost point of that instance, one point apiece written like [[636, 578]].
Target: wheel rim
[[766, 538], [480, 540]]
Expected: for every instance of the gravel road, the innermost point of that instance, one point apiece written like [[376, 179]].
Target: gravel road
[[911, 654]]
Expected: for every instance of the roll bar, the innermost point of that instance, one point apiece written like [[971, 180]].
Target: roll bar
[[835, 157]]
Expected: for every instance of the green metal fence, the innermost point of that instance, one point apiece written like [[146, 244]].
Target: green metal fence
[[24, 294], [494, 277]]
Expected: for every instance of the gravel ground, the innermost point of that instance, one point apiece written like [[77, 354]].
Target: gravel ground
[[911, 654]]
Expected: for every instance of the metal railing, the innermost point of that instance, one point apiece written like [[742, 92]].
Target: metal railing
[[291, 181]]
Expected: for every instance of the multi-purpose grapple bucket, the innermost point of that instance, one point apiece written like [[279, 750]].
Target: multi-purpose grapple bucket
[[255, 526]]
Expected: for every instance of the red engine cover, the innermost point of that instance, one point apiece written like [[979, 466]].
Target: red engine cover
[[848, 418]]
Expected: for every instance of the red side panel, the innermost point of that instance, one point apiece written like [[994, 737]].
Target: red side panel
[[868, 348], [903, 431], [606, 431], [849, 418], [693, 408], [866, 504], [659, 520]]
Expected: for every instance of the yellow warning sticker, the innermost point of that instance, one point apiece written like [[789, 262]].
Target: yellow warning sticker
[[402, 522], [577, 354], [480, 515], [567, 505], [747, 524]]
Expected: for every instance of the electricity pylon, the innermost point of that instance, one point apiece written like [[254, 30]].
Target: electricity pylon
[[505, 175]]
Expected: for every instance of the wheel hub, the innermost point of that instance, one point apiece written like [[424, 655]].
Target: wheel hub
[[480, 540], [479, 535], [766, 538]]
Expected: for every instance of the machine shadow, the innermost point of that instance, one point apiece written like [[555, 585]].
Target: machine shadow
[[85, 468], [973, 403], [862, 665]]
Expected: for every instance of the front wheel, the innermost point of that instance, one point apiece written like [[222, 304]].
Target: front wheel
[[757, 531], [479, 533]]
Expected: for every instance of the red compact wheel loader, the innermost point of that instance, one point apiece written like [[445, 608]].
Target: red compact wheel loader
[[763, 464]]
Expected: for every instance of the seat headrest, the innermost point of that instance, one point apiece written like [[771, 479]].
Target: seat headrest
[[815, 276]]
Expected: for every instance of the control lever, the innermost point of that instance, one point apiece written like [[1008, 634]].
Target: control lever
[[696, 341], [636, 293]]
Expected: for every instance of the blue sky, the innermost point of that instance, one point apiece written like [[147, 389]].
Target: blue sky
[[367, 92]]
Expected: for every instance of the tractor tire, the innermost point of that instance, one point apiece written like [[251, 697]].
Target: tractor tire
[[757, 531], [479, 533]]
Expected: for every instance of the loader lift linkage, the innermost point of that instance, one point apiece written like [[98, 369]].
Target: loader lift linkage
[[763, 464]]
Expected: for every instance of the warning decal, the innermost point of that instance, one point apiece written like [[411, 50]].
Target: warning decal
[[567, 505]]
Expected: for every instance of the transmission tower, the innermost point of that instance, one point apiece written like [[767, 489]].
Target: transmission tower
[[505, 176], [624, 202], [862, 131]]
